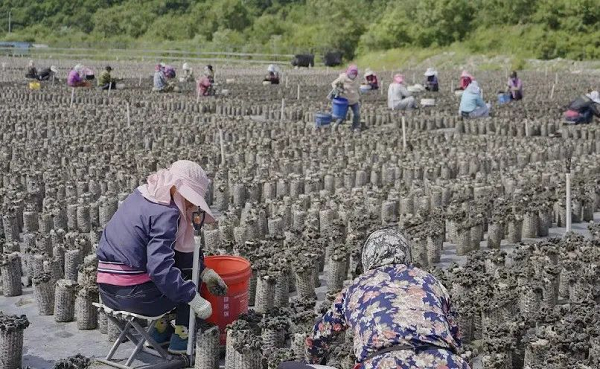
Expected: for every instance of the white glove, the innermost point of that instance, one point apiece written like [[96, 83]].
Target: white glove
[[201, 307], [215, 284]]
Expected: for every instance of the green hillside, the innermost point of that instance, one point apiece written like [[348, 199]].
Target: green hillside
[[528, 28]]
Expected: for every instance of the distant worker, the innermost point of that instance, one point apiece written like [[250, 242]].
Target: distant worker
[[205, 84], [187, 74], [583, 108], [371, 79], [348, 86], [465, 80], [76, 77], [515, 87], [88, 74], [472, 104], [106, 81], [431, 80], [47, 73], [272, 75], [31, 71], [163, 79], [399, 98]]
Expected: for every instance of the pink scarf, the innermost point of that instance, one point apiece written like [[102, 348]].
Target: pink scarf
[[158, 190]]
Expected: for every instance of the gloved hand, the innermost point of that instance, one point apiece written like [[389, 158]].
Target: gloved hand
[[201, 307], [214, 283]]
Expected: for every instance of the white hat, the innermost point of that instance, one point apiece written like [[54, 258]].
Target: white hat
[[271, 68], [595, 96], [430, 72], [31, 63], [78, 67], [185, 66], [53, 69]]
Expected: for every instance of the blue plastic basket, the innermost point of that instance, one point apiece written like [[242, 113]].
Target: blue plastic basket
[[322, 119], [503, 98], [340, 108]]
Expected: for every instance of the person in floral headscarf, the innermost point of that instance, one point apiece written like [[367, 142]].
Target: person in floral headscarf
[[400, 315]]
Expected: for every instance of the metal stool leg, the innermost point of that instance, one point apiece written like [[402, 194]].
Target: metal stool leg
[[123, 329], [163, 353]]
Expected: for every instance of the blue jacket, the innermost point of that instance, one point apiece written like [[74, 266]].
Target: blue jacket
[[470, 101], [139, 239]]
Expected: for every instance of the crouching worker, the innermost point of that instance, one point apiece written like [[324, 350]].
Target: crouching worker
[[31, 71], [272, 76], [146, 252], [47, 73], [205, 84], [472, 104], [583, 108], [164, 76], [431, 80], [399, 98], [106, 81], [76, 77], [400, 315], [371, 80]]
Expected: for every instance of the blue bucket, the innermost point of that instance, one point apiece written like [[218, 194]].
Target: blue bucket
[[322, 119], [503, 99], [340, 108]]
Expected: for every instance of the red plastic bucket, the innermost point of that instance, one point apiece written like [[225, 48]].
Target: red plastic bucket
[[236, 273]]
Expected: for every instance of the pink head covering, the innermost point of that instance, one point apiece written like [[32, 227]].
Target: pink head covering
[[352, 71], [191, 184], [159, 66], [398, 78], [466, 74]]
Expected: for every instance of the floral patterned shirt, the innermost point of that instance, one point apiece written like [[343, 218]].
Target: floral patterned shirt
[[390, 306]]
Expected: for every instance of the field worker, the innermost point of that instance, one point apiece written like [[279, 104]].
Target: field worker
[[188, 73], [431, 80], [515, 87], [272, 75], [399, 98], [47, 73], [161, 82], [348, 85], [465, 80], [371, 79], [88, 74], [205, 84], [400, 315], [106, 81], [31, 71], [472, 104], [583, 108], [76, 77], [145, 253]]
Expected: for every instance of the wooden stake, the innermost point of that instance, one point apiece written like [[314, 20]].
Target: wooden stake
[[298, 92], [109, 88], [128, 116], [286, 82], [140, 81], [555, 78], [452, 86], [568, 205], [197, 95], [403, 133], [282, 109], [222, 147], [72, 96], [552, 92]]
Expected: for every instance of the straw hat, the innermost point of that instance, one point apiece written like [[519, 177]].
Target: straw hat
[[594, 96], [368, 72], [430, 72]]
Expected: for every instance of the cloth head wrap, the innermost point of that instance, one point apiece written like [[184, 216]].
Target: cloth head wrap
[[385, 247]]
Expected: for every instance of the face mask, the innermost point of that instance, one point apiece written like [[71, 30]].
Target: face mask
[[352, 76]]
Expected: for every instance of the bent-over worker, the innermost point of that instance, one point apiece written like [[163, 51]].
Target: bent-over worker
[[205, 84], [146, 252], [76, 77], [272, 75], [400, 315], [31, 71], [188, 73], [348, 85]]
